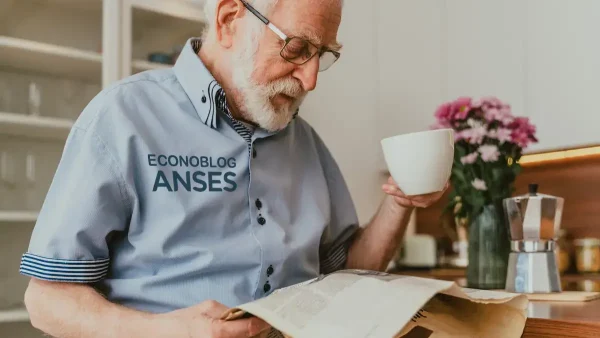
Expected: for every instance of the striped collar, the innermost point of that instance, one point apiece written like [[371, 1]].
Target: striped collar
[[198, 83]]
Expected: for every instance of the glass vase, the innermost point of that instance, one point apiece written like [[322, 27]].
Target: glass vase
[[489, 247]]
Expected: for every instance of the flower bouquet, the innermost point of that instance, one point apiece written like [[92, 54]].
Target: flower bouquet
[[489, 141]]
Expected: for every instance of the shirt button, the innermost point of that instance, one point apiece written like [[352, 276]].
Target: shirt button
[[258, 204], [261, 220], [270, 271], [253, 153], [267, 287]]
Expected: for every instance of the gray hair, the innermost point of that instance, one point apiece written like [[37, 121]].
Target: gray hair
[[263, 6], [210, 7]]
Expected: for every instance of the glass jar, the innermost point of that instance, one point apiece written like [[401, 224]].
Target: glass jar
[[588, 254]]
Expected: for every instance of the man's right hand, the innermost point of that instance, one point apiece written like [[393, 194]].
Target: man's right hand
[[204, 321]]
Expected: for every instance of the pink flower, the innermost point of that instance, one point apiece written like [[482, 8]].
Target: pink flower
[[489, 153], [473, 135], [502, 114], [523, 132], [461, 108], [479, 184], [492, 102], [452, 111], [476, 103], [469, 159], [444, 112], [501, 134]]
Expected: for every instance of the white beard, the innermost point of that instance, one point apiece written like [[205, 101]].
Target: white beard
[[256, 98]]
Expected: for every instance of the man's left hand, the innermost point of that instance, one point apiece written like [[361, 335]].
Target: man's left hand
[[419, 201]]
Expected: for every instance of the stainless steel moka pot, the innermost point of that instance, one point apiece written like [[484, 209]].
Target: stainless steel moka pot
[[533, 220]]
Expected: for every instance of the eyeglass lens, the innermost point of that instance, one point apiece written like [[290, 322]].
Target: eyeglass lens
[[299, 51]]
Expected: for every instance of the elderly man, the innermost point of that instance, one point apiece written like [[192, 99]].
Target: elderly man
[[186, 191]]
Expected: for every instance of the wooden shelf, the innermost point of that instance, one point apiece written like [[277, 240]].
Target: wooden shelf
[[14, 316], [142, 65], [182, 9], [18, 216], [50, 59], [34, 126], [88, 5]]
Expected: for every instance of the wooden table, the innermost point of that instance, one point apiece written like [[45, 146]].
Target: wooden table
[[544, 319], [563, 319]]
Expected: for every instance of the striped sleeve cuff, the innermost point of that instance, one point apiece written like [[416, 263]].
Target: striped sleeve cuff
[[335, 259], [275, 334], [60, 270]]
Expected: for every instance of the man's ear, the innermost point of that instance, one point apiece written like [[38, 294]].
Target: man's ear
[[228, 13]]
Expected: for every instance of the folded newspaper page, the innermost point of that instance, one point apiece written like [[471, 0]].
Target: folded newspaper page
[[369, 304]]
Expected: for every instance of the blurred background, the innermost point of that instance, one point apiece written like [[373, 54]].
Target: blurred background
[[401, 60]]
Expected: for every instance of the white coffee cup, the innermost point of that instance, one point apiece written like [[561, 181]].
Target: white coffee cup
[[421, 162]]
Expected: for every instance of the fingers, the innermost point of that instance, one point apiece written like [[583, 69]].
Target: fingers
[[249, 327], [241, 328], [396, 192], [392, 189], [409, 203], [212, 309], [420, 201]]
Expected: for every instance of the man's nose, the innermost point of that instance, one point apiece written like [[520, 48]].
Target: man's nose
[[308, 73]]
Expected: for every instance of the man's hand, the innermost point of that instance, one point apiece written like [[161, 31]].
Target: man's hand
[[419, 201], [203, 321]]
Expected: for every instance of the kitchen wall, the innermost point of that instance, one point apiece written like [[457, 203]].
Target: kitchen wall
[[344, 107]]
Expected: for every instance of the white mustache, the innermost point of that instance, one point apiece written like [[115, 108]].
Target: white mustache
[[289, 87]]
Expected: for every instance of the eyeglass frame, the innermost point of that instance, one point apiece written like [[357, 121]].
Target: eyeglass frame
[[287, 39]]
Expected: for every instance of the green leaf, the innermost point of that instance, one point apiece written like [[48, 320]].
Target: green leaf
[[497, 174], [460, 151], [516, 168], [459, 174]]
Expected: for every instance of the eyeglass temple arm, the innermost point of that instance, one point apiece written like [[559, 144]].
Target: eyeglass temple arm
[[255, 12], [264, 20]]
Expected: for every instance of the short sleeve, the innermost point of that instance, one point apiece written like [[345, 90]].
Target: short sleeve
[[339, 234], [84, 206]]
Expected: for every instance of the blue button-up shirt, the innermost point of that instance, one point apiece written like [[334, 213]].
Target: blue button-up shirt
[[162, 200]]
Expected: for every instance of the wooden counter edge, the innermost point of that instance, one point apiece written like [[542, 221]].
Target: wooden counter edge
[[537, 328]]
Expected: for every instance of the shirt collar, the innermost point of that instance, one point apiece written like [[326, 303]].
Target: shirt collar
[[198, 83]]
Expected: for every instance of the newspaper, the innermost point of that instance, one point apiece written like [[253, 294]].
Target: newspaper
[[369, 304]]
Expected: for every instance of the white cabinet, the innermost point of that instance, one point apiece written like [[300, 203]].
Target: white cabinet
[[563, 72], [541, 56]]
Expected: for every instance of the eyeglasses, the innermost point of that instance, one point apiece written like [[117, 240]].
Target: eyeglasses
[[298, 50]]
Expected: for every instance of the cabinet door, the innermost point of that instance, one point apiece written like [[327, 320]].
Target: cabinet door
[[485, 50], [563, 72], [409, 55]]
